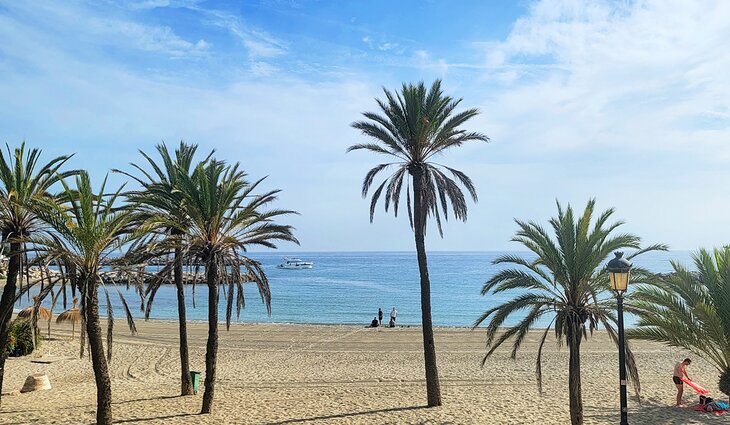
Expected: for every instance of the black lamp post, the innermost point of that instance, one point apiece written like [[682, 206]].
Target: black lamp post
[[619, 271]]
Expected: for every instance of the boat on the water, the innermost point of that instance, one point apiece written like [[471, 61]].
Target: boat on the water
[[295, 263]]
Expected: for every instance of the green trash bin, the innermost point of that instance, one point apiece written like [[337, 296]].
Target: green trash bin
[[195, 377]]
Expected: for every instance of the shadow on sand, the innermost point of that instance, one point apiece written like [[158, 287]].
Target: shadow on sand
[[152, 418], [652, 413], [347, 415], [161, 397]]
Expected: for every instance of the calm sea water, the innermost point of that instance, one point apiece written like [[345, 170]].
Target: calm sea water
[[348, 288]]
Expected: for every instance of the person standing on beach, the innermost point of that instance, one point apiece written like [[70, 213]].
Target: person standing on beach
[[380, 316], [393, 315], [680, 372]]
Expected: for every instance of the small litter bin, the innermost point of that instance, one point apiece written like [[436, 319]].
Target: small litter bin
[[195, 377]]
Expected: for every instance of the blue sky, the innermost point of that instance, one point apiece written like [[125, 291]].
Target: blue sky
[[625, 101]]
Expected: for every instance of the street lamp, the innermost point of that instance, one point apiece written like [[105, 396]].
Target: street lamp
[[619, 272]]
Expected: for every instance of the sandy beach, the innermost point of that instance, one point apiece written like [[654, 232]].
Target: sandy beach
[[301, 374]]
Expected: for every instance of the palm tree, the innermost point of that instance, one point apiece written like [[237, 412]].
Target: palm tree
[[87, 228], [412, 127], [226, 219], [157, 205], [690, 310], [565, 281], [23, 183]]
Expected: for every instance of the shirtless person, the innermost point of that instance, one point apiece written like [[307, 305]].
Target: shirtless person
[[679, 372]]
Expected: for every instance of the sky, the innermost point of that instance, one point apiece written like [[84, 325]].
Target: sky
[[624, 101]]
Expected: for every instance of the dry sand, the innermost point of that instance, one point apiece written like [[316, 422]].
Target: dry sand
[[297, 374]]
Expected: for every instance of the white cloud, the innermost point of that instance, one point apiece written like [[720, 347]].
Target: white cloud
[[383, 46], [148, 4], [424, 60], [387, 46], [260, 44], [83, 26], [145, 37], [641, 75], [574, 84], [155, 4], [293, 130]]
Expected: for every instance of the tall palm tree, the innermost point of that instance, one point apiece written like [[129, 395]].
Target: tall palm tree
[[412, 127], [690, 310], [226, 219], [87, 228], [24, 182], [564, 281], [158, 206]]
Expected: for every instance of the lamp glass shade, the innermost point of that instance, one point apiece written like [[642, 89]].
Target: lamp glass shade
[[620, 280]]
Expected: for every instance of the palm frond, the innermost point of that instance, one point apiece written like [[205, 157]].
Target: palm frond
[[412, 125]]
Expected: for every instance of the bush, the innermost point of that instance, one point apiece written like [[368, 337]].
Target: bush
[[725, 382], [20, 338]]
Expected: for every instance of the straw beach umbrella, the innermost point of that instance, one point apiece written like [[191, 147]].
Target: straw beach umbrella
[[72, 315], [43, 313], [27, 313]]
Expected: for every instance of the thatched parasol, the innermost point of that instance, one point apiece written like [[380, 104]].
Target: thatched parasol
[[43, 313], [72, 315]]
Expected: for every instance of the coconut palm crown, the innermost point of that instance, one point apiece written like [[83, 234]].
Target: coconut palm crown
[[412, 127], [564, 282], [690, 310]]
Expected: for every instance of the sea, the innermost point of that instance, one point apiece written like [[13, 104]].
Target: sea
[[349, 287]]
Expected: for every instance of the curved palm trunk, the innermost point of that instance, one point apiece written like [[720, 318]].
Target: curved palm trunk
[[6, 305], [186, 383], [574, 387], [211, 352], [433, 390], [98, 359]]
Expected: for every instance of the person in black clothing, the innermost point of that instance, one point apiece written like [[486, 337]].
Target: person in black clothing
[[380, 316], [374, 323]]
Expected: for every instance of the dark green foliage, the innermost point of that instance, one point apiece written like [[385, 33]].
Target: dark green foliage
[[725, 382], [412, 129], [20, 338]]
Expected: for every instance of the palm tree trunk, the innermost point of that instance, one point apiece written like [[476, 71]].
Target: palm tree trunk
[[211, 352], [6, 305], [574, 388], [433, 390], [98, 359], [186, 383]]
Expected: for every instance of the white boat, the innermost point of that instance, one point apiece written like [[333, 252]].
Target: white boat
[[295, 263]]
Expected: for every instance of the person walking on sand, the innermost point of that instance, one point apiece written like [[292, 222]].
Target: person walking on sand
[[380, 316], [680, 371], [393, 315]]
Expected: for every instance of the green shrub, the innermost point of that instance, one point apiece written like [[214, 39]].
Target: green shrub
[[20, 338]]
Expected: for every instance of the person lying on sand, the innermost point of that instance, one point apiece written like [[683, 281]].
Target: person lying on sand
[[680, 370]]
